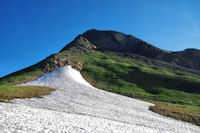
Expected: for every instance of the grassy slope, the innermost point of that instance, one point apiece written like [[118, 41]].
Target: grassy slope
[[10, 92], [138, 79], [37, 70], [25, 75], [129, 77], [188, 113]]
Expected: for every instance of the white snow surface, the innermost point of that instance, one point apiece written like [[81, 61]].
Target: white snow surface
[[78, 107]]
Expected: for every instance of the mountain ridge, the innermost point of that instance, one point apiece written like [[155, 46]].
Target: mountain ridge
[[137, 70], [119, 42], [128, 44], [96, 40]]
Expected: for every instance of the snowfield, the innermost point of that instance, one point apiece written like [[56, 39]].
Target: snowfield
[[78, 107]]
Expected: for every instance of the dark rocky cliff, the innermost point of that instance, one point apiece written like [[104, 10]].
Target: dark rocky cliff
[[128, 44]]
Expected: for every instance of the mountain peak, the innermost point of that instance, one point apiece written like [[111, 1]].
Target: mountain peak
[[101, 40], [120, 42]]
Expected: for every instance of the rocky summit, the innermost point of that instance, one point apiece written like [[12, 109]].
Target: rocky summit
[[128, 44], [125, 65]]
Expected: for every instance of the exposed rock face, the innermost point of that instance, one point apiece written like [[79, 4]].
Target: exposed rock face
[[119, 42], [126, 45], [54, 61], [95, 40], [188, 58], [51, 65], [79, 41]]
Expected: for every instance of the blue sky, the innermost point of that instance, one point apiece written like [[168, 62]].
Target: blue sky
[[31, 30]]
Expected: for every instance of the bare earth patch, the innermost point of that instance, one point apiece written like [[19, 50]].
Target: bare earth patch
[[183, 113]]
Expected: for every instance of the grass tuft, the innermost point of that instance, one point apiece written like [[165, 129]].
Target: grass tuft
[[8, 93], [187, 113]]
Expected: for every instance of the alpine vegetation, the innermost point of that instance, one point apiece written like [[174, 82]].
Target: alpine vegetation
[[76, 106], [105, 81]]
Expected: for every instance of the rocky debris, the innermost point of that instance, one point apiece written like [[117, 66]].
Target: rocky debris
[[79, 41], [94, 40], [53, 62]]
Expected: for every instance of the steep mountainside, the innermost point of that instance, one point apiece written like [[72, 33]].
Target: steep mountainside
[[116, 44], [119, 42], [128, 66]]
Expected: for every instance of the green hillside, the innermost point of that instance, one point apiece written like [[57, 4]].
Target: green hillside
[[168, 89], [174, 89]]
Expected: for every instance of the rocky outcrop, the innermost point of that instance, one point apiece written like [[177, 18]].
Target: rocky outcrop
[[79, 41], [128, 44], [119, 42], [95, 40], [53, 62]]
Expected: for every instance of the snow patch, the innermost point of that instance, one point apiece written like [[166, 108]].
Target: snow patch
[[76, 106], [64, 74]]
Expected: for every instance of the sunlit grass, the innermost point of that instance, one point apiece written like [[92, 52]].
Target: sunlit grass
[[8, 93], [181, 112], [123, 75], [141, 80]]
